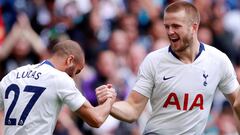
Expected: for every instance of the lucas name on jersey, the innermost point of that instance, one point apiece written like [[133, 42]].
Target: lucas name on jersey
[[28, 74]]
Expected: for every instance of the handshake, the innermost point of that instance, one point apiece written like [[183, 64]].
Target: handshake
[[106, 92]]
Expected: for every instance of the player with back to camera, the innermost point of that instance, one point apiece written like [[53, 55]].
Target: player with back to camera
[[32, 96], [179, 80]]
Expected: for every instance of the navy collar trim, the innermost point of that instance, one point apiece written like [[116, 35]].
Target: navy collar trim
[[46, 62], [201, 48]]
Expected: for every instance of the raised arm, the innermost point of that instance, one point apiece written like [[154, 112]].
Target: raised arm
[[9, 41], [30, 35], [22, 29], [95, 116]]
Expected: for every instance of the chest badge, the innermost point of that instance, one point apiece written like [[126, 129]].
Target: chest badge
[[205, 79]]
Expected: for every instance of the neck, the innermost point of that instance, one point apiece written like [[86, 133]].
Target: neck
[[188, 55], [57, 62]]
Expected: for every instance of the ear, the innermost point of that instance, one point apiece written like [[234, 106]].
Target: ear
[[195, 26], [70, 60]]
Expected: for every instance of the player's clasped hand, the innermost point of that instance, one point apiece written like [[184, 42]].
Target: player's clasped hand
[[104, 92]]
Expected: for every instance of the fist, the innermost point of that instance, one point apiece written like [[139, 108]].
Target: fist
[[104, 92]]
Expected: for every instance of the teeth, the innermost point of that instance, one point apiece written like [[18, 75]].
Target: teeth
[[173, 38]]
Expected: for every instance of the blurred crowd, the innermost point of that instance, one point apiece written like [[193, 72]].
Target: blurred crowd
[[116, 35]]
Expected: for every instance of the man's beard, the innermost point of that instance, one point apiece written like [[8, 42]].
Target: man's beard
[[70, 71], [186, 41]]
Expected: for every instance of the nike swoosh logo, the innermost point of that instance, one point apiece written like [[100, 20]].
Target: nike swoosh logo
[[166, 78]]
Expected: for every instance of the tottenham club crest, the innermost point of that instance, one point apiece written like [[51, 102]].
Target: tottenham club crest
[[205, 79]]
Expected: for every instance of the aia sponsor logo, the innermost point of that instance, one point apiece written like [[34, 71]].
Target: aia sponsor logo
[[173, 100]]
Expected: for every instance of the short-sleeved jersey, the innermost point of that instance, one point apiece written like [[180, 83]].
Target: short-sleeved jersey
[[32, 96], [181, 94]]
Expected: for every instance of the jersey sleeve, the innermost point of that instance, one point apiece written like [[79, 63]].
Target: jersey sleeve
[[145, 78], [228, 82], [1, 97], [69, 94]]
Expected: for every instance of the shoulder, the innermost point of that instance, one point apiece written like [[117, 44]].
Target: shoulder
[[54, 76], [63, 80], [58, 80], [14, 71], [61, 76], [214, 53], [155, 58], [158, 54]]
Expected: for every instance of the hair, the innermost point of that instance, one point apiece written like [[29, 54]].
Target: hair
[[68, 47], [189, 9]]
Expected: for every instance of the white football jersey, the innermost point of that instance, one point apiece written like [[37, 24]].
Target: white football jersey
[[32, 96], [181, 94]]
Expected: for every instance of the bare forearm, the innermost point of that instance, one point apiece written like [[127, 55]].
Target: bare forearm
[[34, 40], [8, 45], [1, 122], [130, 109], [150, 8], [95, 116], [237, 112], [236, 104], [123, 111], [103, 110]]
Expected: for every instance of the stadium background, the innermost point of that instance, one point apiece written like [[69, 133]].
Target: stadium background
[[116, 35]]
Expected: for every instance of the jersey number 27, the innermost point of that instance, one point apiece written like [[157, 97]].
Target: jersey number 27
[[14, 88]]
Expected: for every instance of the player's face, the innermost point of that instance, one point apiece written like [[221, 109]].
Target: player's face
[[74, 68], [179, 30]]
